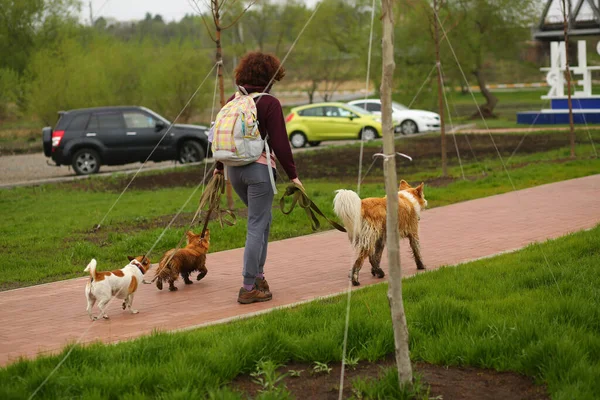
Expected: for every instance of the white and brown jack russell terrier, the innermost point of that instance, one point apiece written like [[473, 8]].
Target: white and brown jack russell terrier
[[121, 283]]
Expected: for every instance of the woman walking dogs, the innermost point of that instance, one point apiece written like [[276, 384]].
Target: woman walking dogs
[[248, 128]]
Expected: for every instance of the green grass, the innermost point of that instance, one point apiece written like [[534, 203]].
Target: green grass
[[44, 234], [513, 312]]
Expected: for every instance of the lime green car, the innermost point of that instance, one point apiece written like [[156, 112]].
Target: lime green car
[[314, 123]]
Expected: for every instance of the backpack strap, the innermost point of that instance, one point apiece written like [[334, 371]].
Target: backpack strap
[[243, 90], [256, 94], [271, 177]]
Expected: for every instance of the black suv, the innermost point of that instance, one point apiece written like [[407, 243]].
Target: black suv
[[90, 137]]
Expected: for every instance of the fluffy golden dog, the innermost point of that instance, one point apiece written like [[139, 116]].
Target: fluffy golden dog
[[365, 221]]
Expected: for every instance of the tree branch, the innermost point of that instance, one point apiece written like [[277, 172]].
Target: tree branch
[[208, 29], [239, 16]]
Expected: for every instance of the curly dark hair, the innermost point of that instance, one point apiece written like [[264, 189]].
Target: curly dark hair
[[258, 69]]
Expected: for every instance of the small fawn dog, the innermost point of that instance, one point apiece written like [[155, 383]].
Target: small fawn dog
[[184, 261]]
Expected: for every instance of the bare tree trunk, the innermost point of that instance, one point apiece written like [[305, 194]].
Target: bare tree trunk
[[570, 104], [440, 93], [391, 189], [488, 108], [311, 91], [219, 59]]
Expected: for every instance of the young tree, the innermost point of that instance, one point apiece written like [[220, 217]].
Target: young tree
[[217, 12], [391, 189]]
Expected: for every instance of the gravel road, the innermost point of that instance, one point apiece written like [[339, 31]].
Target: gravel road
[[32, 168]]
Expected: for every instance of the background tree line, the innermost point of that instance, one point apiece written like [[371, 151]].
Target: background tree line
[[52, 60]]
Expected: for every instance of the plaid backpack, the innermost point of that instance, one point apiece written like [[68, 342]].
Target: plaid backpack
[[235, 138]]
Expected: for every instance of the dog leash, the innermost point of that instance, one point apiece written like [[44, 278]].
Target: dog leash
[[300, 198], [212, 196]]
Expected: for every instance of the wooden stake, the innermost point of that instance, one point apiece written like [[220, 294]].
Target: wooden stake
[[216, 6], [440, 93], [571, 127], [391, 189]]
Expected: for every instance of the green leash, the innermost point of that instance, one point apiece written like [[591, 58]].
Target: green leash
[[300, 198]]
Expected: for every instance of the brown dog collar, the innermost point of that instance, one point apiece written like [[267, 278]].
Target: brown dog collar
[[139, 265]]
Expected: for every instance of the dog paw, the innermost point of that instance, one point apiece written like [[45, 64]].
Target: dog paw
[[200, 276], [124, 305], [378, 273], [173, 289], [133, 311], [105, 317], [355, 283], [421, 267], [188, 282]]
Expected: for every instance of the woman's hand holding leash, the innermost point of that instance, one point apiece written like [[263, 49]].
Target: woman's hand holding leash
[[297, 182]]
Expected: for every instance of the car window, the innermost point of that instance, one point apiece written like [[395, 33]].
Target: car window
[[359, 105], [373, 107], [312, 112], [332, 112], [134, 119], [79, 122], [106, 121], [340, 112], [398, 106]]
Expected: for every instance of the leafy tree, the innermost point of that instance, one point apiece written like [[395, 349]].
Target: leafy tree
[[76, 75], [9, 83], [486, 31], [27, 24], [333, 49]]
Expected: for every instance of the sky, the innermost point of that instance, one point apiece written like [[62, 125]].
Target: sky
[[126, 10]]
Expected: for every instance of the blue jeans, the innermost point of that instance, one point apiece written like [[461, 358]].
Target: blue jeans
[[252, 184]]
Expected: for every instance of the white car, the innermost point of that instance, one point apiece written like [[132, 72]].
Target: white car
[[405, 120]]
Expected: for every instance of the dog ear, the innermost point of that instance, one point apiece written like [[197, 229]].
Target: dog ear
[[420, 189], [403, 185], [130, 258]]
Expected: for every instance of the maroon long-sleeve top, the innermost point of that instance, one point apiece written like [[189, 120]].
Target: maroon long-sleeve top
[[272, 123]]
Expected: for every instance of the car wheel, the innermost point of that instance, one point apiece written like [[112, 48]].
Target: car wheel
[[409, 127], [190, 152], [298, 140], [369, 134], [314, 144], [86, 162]]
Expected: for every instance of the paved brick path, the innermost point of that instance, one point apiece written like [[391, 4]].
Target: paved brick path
[[44, 318]]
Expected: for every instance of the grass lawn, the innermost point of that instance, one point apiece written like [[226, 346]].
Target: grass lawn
[[513, 312], [45, 231]]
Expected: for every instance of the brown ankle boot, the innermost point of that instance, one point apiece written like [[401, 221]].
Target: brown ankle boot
[[253, 296], [262, 285]]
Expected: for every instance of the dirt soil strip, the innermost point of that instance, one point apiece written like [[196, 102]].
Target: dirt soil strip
[[450, 235], [450, 383]]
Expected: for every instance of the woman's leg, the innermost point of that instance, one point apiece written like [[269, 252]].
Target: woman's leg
[[265, 244], [252, 184]]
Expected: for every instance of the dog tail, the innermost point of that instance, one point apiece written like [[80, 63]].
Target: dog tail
[[347, 206], [91, 267]]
